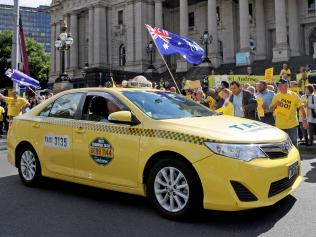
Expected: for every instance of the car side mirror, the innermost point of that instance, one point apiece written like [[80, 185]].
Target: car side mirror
[[123, 117]]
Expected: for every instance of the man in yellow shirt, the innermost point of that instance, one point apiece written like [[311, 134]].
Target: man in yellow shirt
[[15, 104], [286, 71], [2, 112], [285, 105]]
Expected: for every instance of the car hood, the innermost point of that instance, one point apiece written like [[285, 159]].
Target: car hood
[[227, 129]]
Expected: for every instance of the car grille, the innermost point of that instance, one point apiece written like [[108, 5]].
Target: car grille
[[281, 185], [243, 193], [277, 150]]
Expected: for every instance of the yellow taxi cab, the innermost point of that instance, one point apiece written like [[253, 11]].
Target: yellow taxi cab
[[154, 143]]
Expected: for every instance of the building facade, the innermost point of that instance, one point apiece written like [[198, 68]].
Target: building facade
[[111, 34], [36, 22]]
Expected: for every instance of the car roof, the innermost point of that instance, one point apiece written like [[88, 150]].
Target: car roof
[[112, 89]]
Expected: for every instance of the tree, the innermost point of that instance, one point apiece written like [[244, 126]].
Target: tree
[[39, 60]]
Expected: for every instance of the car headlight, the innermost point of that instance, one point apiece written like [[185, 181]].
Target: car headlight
[[243, 152]]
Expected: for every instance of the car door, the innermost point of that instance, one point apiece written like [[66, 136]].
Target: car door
[[105, 152], [55, 126]]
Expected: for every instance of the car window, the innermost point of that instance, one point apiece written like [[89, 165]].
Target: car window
[[98, 108], [64, 107], [165, 105]]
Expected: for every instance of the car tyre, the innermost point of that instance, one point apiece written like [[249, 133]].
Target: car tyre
[[28, 166], [174, 190]]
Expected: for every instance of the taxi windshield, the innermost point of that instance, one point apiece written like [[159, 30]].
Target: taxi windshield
[[165, 105]]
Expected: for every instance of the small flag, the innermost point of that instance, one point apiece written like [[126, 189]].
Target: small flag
[[169, 43]]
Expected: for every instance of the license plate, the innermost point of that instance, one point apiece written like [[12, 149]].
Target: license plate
[[293, 170]]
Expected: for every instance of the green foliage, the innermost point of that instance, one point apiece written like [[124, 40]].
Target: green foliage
[[39, 60]]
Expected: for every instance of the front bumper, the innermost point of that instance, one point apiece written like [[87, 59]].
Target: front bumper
[[217, 174]]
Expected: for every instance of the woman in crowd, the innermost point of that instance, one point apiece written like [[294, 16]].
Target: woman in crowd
[[311, 112], [227, 108]]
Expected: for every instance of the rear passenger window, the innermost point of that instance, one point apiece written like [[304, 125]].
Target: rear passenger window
[[64, 107]]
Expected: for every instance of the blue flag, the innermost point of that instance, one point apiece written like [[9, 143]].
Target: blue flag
[[169, 43], [22, 79]]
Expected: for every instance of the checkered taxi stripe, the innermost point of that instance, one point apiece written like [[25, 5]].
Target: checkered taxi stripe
[[126, 130]]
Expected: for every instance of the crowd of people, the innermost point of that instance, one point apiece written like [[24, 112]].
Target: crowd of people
[[15, 105], [289, 103]]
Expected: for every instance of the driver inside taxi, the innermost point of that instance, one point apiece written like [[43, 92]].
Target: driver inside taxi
[[112, 108]]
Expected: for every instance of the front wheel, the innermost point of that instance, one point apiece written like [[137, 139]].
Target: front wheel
[[28, 166], [173, 189]]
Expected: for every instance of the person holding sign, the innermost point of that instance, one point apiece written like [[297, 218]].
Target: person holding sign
[[285, 105]]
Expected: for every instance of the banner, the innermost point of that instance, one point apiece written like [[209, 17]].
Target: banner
[[268, 75], [215, 80]]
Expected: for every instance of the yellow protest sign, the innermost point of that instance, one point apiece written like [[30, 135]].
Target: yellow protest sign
[[260, 108], [192, 84], [268, 75]]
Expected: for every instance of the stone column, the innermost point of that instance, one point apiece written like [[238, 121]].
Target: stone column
[[244, 26], [100, 51], [74, 48], [158, 23], [130, 35], [214, 55], [281, 51], [294, 32], [58, 53], [53, 49], [182, 65], [158, 13], [261, 47], [91, 38], [229, 47]]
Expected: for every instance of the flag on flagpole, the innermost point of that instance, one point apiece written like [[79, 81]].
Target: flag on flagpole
[[22, 45], [22, 79], [169, 43]]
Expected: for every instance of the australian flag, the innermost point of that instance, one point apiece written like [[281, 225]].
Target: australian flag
[[169, 43]]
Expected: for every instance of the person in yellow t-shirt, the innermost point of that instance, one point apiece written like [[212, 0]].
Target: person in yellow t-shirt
[[228, 107], [286, 71], [285, 105], [2, 112], [15, 104]]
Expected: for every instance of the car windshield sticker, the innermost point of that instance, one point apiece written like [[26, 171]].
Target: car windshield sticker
[[249, 127], [101, 151], [57, 141]]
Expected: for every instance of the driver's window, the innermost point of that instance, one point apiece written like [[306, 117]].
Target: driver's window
[[98, 108]]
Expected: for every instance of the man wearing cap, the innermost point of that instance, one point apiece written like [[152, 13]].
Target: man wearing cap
[[15, 104], [285, 105], [267, 97]]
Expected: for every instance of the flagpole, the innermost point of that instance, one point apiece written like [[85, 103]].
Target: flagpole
[[163, 59]]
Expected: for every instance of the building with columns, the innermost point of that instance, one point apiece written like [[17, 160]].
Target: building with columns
[[110, 35]]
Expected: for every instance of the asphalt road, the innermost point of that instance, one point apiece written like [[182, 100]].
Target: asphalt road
[[58, 208]]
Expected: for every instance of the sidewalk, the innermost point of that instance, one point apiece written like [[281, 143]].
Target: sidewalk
[[3, 143]]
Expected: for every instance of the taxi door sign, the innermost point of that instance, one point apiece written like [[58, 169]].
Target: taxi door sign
[[101, 151]]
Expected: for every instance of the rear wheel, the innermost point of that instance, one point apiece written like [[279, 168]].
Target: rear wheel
[[28, 165], [173, 189]]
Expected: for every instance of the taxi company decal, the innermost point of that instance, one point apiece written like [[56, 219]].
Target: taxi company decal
[[101, 151], [249, 127], [57, 141]]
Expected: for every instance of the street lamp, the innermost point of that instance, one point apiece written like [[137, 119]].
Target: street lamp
[[63, 43], [151, 51], [206, 39]]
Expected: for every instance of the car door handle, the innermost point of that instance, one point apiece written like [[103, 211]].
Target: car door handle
[[80, 130], [36, 125]]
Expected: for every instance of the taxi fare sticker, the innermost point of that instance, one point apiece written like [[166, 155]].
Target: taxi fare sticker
[[101, 151], [57, 141]]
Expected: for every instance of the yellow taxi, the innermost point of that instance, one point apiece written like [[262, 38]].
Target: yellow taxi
[[157, 144]]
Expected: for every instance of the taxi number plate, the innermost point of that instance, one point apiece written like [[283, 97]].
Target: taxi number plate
[[100, 151], [293, 170]]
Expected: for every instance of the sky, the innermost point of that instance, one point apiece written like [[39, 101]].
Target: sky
[[27, 3]]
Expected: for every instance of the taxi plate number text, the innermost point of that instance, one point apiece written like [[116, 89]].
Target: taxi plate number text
[[56, 141]]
